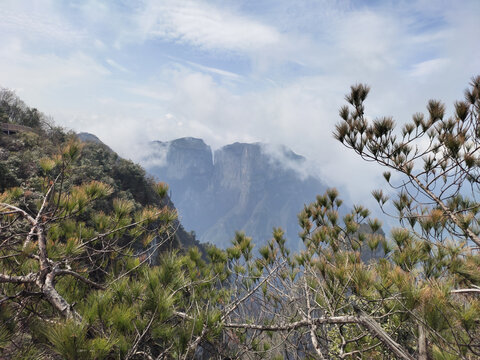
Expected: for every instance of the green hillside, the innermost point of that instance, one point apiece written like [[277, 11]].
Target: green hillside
[[20, 155]]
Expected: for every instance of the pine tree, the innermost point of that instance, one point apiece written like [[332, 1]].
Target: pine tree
[[435, 163], [57, 249]]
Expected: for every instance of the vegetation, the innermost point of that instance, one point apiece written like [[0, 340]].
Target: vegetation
[[13, 110], [77, 239]]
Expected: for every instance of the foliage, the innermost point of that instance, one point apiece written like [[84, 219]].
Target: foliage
[[15, 111], [436, 162], [80, 225]]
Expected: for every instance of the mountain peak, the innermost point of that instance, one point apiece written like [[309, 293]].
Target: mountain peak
[[87, 137], [189, 142]]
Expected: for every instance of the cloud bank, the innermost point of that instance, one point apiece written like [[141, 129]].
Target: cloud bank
[[274, 71]]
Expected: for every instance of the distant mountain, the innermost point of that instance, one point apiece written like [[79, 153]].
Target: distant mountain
[[249, 187], [87, 137]]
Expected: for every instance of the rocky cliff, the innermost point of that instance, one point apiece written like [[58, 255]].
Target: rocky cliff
[[240, 186]]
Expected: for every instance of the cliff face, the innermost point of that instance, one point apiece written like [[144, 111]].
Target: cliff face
[[187, 157], [241, 187], [186, 165]]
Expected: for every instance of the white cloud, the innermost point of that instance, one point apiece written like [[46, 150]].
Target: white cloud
[[149, 92], [151, 154], [47, 71], [216, 71], [37, 21], [99, 44], [280, 155], [368, 40], [298, 115], [429, 67], [200, 24], [116, 65], [296, 72]]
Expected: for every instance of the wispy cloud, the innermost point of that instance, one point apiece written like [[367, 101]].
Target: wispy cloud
[[429, 67], [48, 71], [148, 92], [37, 21], [116, 65], [199, 24], [213, 70]]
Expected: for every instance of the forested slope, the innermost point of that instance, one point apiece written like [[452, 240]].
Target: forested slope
[[21, 153]]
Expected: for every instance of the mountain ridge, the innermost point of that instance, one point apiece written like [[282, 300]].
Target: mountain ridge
[[252, 187]]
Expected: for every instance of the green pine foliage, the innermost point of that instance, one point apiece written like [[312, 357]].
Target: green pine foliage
[[91, 266]]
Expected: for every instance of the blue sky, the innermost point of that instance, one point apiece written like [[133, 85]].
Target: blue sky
[[274, 71]]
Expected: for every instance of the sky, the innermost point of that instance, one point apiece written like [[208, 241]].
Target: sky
[[273, 71]]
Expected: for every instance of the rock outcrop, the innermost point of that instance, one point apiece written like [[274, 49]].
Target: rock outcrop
[[241, 186]]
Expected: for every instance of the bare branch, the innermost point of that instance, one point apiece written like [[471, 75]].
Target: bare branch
[[29, 278]]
